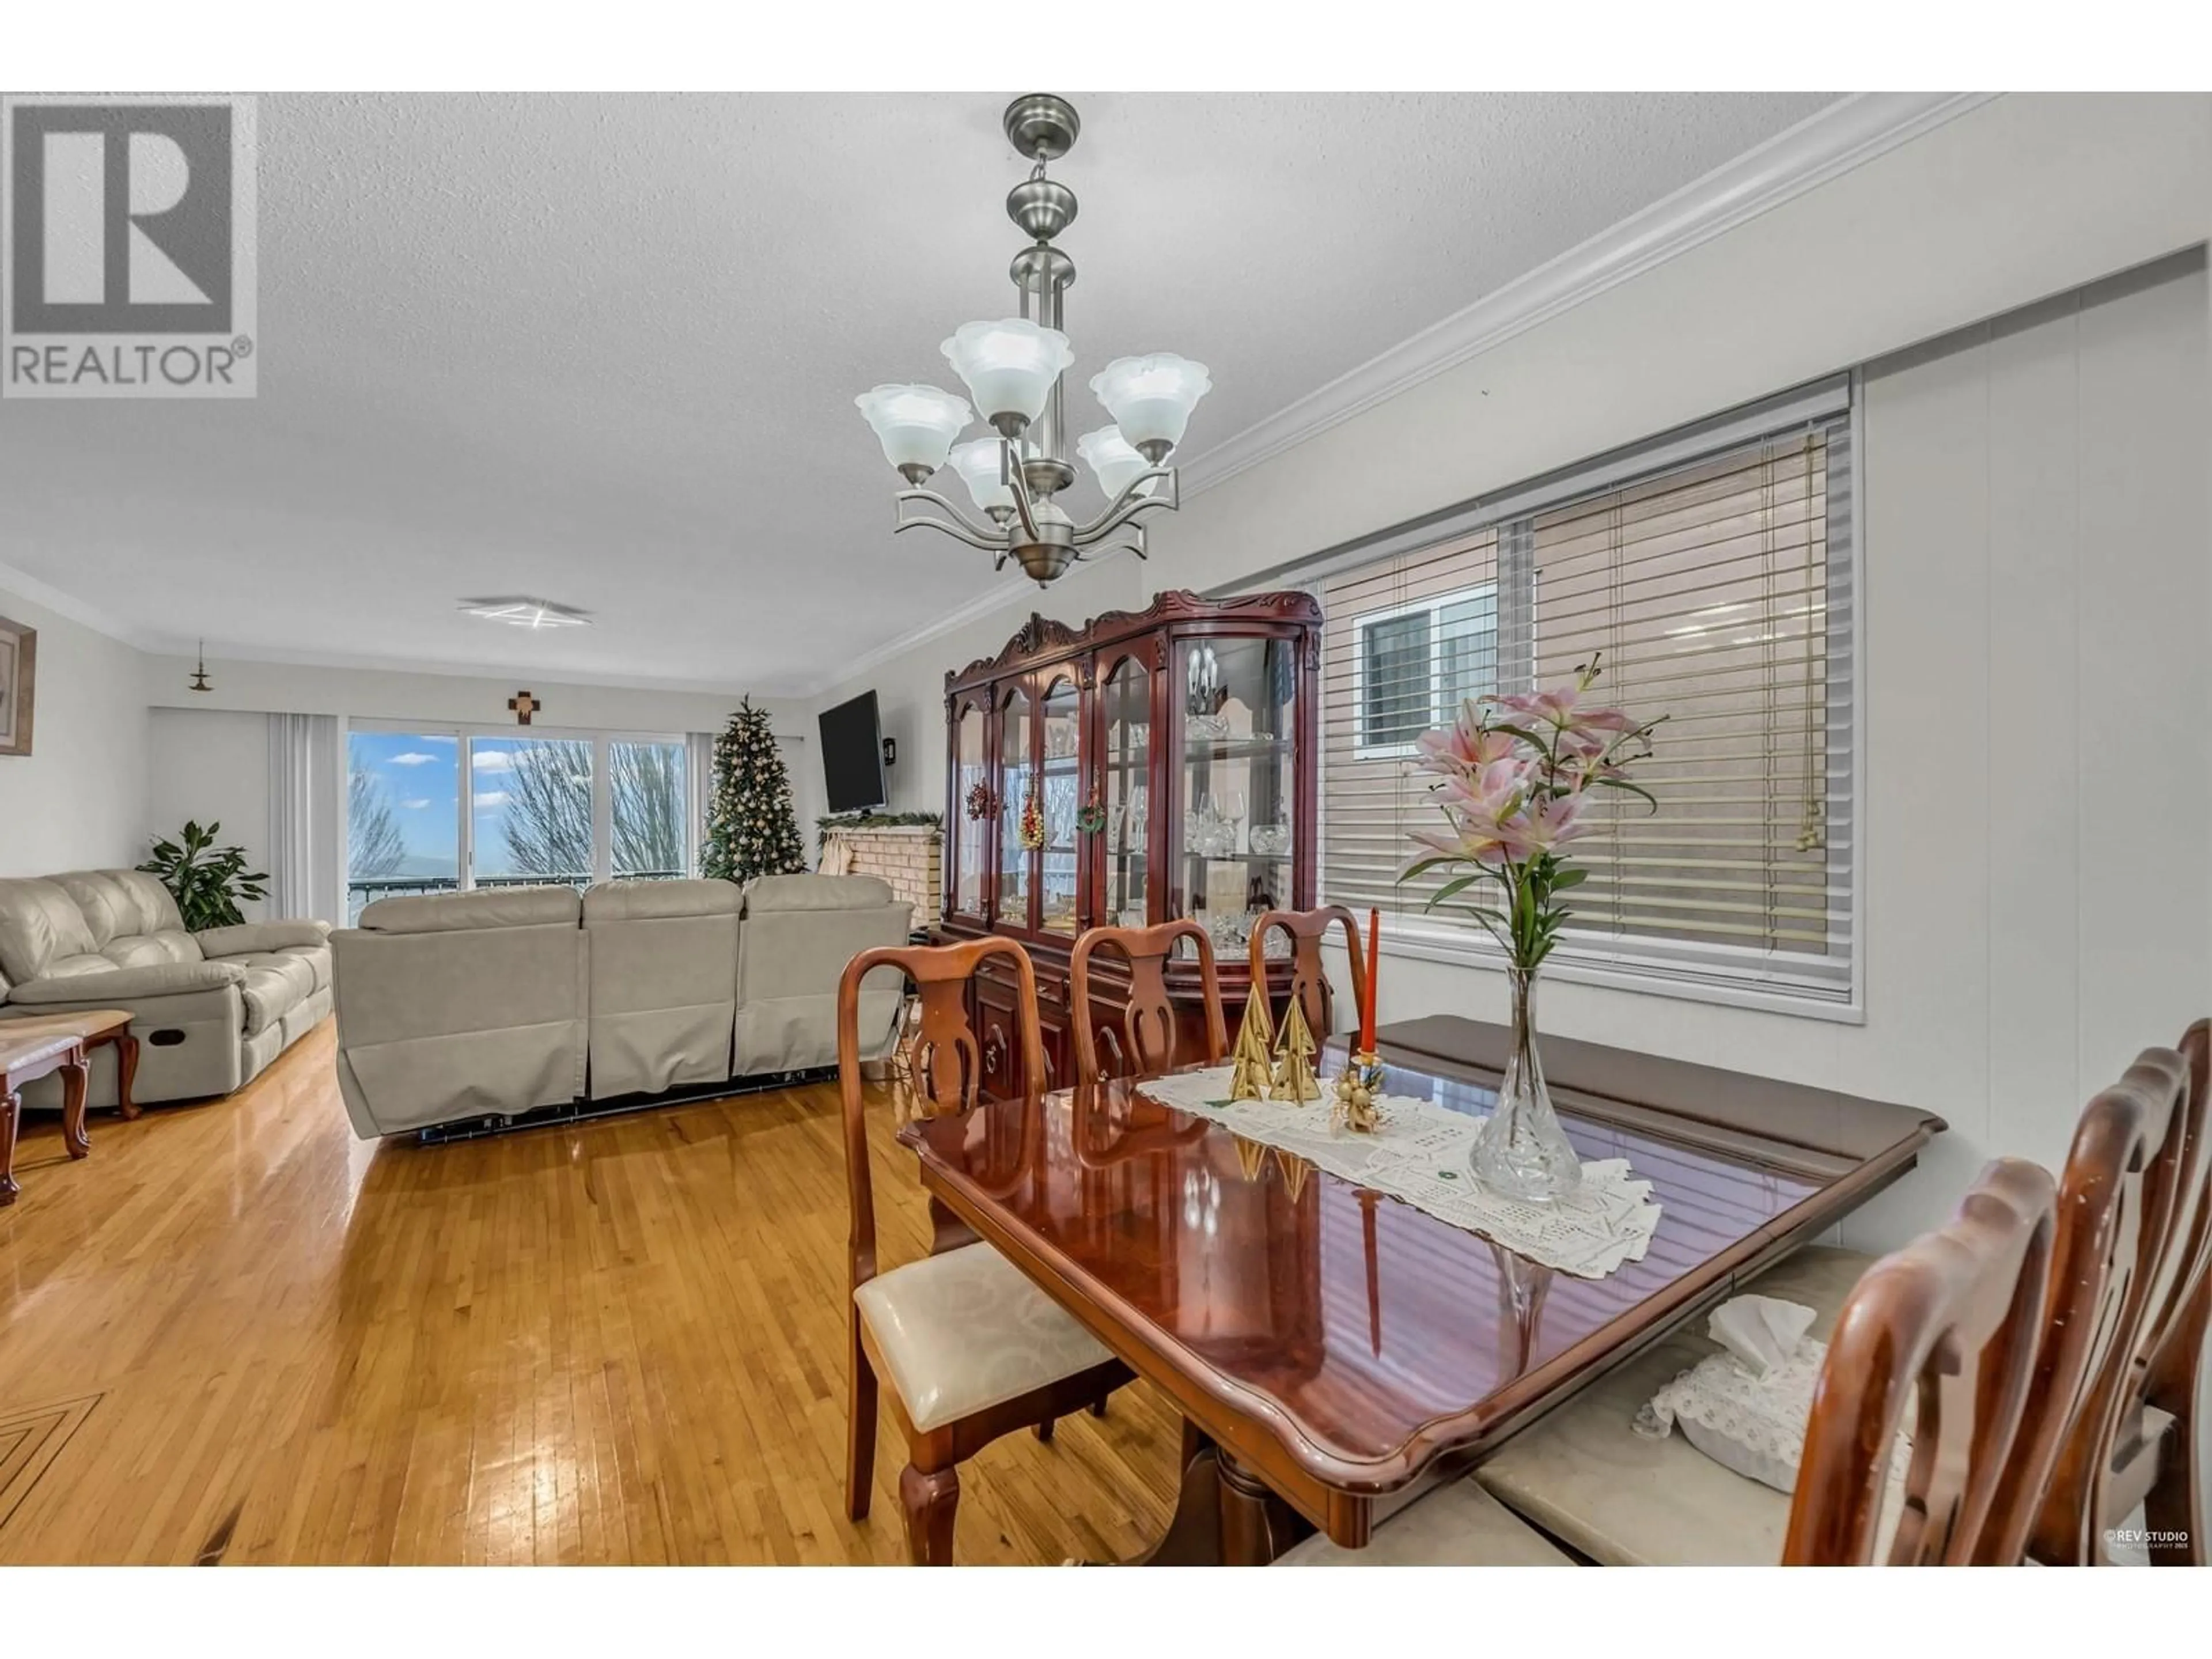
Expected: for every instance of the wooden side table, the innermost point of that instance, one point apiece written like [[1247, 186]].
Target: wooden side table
[[24, 1060], [93, 1028]]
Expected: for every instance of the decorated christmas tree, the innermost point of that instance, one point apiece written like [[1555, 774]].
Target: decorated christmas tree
[[1254, 1038], [751, 829]]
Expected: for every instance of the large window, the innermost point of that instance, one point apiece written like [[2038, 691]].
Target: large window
[[1712, 571], [440, 810]]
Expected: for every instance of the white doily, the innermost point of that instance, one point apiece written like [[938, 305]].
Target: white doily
[[1420, 1154]]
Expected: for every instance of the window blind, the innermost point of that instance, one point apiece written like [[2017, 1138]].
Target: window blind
[[1717, 590]]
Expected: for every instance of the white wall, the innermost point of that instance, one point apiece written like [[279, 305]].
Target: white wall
[[227, 771], [2035, 517], [211, 766], [2024, 198], [78, 800]]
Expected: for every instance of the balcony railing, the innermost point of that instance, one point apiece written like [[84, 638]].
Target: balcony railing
[[360, 894]]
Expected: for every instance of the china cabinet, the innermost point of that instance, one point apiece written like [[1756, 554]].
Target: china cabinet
[[1145, 767]]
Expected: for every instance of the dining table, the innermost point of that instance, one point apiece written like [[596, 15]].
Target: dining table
[[1336, 1352]]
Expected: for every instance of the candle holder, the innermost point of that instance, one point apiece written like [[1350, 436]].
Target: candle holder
[[1359, 1092]]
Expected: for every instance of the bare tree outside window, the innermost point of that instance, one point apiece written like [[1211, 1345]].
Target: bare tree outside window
[[373, 845], [546, 815], [650, 805]]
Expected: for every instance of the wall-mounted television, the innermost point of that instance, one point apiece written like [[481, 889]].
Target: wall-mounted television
[[852, 755]]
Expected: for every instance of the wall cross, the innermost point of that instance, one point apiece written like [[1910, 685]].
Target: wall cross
[[524, 706]]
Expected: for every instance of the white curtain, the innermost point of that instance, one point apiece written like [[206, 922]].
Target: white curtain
[[307, 818], [699, 787]]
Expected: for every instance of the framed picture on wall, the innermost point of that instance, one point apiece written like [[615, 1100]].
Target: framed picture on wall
[[19, 661]]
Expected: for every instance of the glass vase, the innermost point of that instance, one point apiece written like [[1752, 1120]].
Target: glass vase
[[1522, 1152]]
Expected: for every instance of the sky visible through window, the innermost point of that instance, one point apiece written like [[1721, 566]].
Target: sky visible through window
[[411, 781]]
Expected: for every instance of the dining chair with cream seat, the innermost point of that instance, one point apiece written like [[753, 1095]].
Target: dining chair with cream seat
[[972, 1349], [1943, 1333], [1307, 930], [1147, 1041], [1585, 1474]]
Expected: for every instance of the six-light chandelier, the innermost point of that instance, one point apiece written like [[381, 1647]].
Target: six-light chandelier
[[1013, 369]]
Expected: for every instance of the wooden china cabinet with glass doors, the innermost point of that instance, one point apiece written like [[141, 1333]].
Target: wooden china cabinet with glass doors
[[1145, 767]]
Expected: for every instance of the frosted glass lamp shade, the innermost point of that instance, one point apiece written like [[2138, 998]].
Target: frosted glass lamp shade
[[1150, 399], [916, 425], [1010, 367], [977, 464], [1114, 459]]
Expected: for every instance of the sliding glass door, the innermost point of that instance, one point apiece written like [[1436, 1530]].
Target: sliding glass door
[[651, 814], [403, 815], [439, 811], [531, 805]]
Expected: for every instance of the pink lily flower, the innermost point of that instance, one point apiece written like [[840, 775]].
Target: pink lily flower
[[1560, 708], [1464, 746], [1543, 829]]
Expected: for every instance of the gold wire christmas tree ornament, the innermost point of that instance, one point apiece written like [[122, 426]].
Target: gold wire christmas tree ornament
[[1358, 1095], [1254, 1075], [1294, 1062]]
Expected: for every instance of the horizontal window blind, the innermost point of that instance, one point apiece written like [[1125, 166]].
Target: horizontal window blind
[[1379, 691], [1718, 592]]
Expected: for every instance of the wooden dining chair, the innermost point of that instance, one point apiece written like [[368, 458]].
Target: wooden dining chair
[[1147, 1041], [2101, 1200], [1308, 981], [2121, 1442], [2174, 1506], [973, 1350], [1943, 1334]]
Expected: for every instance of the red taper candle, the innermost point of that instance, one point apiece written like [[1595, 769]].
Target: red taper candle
[[1374, 967]]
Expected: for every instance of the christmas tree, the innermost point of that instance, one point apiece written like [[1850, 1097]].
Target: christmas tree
[[750, 828]]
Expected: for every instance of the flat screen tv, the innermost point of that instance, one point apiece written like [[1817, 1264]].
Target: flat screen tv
[[852, 755]]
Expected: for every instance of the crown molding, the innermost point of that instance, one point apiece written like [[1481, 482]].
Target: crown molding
[[47, 596], [1847, 134]]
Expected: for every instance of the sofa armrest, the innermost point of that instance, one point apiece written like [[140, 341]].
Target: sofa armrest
[[166, 979], [260, 936]]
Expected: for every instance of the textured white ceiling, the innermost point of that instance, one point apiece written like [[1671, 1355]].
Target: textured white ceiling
[[602, 350]]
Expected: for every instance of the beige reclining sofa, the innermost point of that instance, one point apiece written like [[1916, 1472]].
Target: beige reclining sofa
[[463, 1006], [210, 1009]]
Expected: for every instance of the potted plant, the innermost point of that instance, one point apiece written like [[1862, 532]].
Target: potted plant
[[207, 881]]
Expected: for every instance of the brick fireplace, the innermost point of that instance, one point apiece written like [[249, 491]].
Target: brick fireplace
[[910, 856]]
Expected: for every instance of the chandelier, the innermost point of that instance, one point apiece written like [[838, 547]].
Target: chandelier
[[1013, 369]]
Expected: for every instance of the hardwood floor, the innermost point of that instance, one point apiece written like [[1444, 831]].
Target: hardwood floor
[[619, 1342]]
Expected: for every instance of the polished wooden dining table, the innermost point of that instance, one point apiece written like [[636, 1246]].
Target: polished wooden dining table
[[1336, 1352]]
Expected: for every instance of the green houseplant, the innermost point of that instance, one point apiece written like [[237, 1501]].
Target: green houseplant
[[206, 880]]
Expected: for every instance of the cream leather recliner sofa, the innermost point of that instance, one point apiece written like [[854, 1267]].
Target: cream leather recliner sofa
[[210, 1009], [462, 1007]]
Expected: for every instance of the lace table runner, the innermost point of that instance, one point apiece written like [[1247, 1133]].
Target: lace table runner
[[1420, 1154]]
